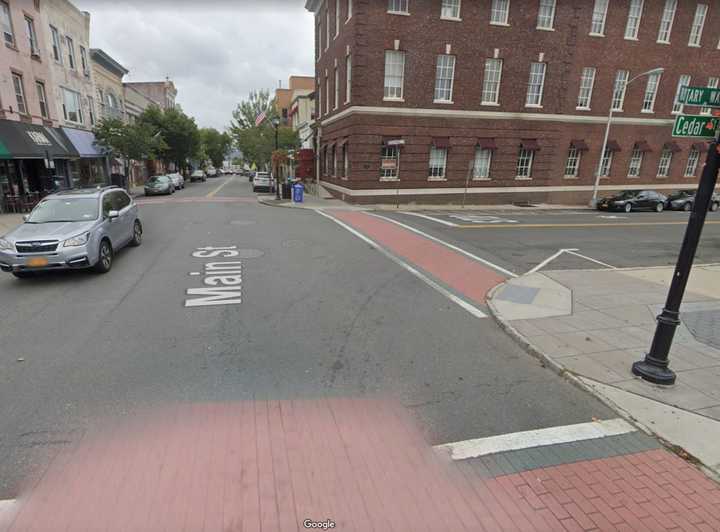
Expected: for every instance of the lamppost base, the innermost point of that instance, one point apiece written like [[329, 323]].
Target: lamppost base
[[653, 373]]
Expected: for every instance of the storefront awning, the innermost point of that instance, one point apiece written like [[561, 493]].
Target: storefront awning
[[84, 143], [31, 141], [579, 144]]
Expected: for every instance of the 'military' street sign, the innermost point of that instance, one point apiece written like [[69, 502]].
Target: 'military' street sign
[[704, 96], [702, 126]]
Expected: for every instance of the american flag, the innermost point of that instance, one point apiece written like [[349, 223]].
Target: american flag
[[259, 118]]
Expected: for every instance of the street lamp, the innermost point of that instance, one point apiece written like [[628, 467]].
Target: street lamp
[[276, 123], [593, 201]]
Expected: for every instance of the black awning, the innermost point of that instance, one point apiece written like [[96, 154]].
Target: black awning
[[672, 146], [579, 144], [700, 146], [643, 146], [530, 144], [612, 145], [31, 141]]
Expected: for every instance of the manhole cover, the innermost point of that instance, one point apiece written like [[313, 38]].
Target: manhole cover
[[250, 253], [243, 222]]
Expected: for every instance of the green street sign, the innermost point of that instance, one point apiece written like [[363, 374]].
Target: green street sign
[[704, 96], [701, 126]]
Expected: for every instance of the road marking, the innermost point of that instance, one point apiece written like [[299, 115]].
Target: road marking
[[447, 244], [463, 450], [482, 219], [549, 260], [452, 297], [574, 252], [563, 226], [212, 193], [8, 507], [432, 218]]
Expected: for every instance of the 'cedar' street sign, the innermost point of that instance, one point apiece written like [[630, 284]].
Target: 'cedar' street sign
[[704, 96], [701, 126]]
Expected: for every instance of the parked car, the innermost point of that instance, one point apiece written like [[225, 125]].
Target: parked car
[[178, 180], [683, 200], [72, 229], [159, 184], [198, 175], [264, 181], [633, 200], [211, 172]]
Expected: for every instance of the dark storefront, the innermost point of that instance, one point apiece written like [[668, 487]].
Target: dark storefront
[[91, 167]]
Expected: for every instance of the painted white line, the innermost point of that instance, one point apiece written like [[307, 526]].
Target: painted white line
[[432, 218], [448, 245], [573, 252], [549, 260], [452, 297], [535, 438], [8, 508]]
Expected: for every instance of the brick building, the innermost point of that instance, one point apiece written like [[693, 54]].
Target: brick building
[[416, 96]]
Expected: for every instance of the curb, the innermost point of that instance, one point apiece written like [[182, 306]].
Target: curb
[[559, 369]]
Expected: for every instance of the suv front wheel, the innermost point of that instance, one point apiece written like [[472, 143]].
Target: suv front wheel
[[105, 257]]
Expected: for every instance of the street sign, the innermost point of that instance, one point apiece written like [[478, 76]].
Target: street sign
[[702, 126], [704, 96]]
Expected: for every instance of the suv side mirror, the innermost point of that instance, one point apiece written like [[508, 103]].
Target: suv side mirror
[[113, 214], [26, 217]]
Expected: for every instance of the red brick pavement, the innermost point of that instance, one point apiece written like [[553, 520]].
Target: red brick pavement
[[358, 462]]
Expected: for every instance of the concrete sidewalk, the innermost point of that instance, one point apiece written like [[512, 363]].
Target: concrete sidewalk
[[593, 324]]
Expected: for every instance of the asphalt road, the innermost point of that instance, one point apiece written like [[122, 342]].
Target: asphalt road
[[322, 314]]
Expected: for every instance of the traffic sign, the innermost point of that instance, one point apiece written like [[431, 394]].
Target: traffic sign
[[704, 96], [702, 126]]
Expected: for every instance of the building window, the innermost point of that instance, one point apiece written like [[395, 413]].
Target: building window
[[664, 165], [319, 100], [546, 15], [19, 93], [572, 164], [57, 54], [587, 80], [32, 36], [334, 161], [450, 9], [697, 25], [444, 74], [337, 17], [84, 61], [535, 85], [345, 163], [337, 89], [692, 162], [633, 20], [91, 110], [389, 162], [666, 22], [499, 12], [71, 52], [319, 40], [349, 9], [398, 6], [712, 84], [683, 80], [491, 81], [394, 74], [42, 98], [597, 27], [636, 159], [327, 28], [606, 163], [327, 95], [438, 161], [524, 163], [481, 165], [650, 93], [72, 110], [6, 23], [621, 78], [348, 78]]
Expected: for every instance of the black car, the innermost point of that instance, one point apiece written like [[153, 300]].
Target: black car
[[634, 200], [683, 200]]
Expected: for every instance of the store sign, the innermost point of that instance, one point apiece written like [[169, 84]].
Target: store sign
[[701, 126], [39, 138]]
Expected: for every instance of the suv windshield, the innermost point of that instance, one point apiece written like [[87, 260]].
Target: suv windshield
[[64, 210], [157, 179]]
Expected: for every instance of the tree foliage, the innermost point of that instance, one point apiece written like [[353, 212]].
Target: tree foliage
[[247, 111], [215, 145], [179, 132], [130, 141]]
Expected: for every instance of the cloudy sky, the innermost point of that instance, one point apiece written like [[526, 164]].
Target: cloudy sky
[[215, 51]]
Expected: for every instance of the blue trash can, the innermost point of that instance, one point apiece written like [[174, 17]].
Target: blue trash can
[[298, 191]]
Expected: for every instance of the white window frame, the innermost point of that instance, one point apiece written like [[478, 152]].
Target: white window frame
[[632, 26], [348, 78], [698, 24], [666, 157], [636, 160], [337, 18], [444, 73], [435, 171], [349, 10], [387, 153], [42, 99], [492, 78], [399, 7], [536, 84], [345, 163], [482, 163], [337, 88], [66, 113], [587, 82], [394, 92], [91, 110], [618, 95], [334, 160], [19, 90], [32, 36], [546, 15], [572, 163], [606, 163], [451, 6], [84, 61], [666, 21], [71, 52], [56, 45], [6, 22], [599, 17], [711, 84], [327, 28], [692, 163], [523, 168], [678, 107], [651, 90], [327, 95], [500, 12]]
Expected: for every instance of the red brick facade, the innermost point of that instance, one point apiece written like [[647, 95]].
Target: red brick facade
[[360, 125]]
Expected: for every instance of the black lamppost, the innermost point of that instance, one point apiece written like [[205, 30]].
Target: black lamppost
[[276, 124]]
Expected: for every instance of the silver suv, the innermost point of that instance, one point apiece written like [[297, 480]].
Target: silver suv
[[72, 229]]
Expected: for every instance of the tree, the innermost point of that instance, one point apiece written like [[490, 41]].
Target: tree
[[129, 141], [216, 145], [247, 111], [179, 131]]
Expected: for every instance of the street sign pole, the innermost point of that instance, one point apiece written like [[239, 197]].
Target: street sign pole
[[654, 367]]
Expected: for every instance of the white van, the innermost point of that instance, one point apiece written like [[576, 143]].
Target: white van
[[263, 181]]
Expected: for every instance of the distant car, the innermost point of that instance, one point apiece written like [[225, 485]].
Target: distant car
[[634, 200], [178, 180], [264, 181], [159, 184], [198, 175], [73, 229], [683, 200], [211, 172]]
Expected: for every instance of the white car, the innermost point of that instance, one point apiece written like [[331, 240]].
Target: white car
[[263, 181], [211, 172], [178, 180]]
